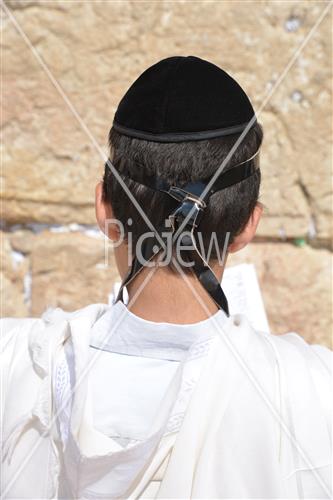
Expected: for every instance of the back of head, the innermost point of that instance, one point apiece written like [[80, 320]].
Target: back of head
[[179, 121]]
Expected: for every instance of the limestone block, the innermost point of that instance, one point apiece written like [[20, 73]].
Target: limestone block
[[68, 271], [96, 49]]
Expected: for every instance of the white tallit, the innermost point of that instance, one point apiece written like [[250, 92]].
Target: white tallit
[[246, 416]]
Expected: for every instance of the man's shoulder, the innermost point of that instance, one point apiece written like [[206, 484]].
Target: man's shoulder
[[50, 316], [292, 345], [18, 334], [12, 328], [305, 369], [288, 352]]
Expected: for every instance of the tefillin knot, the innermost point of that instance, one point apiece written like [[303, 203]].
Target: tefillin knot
[[189, 210]]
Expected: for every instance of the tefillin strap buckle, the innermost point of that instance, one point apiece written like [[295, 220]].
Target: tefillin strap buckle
[[191, 208]]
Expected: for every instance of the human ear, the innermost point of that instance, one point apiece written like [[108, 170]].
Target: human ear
[[243, 238], [104, 215]]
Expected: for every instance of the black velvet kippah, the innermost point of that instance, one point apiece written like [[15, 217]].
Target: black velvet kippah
[[183, 99]]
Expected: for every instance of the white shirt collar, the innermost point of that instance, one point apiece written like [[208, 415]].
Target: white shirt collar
[[119, 330]]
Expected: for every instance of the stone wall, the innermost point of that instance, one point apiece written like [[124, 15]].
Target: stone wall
[[66, 65]]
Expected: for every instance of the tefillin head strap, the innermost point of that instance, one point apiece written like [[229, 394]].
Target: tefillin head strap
[[193, 199]]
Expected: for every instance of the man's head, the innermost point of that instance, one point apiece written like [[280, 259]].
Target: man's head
[[193, 113]]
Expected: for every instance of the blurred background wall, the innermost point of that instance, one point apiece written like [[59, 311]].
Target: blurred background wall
[[52, 252]]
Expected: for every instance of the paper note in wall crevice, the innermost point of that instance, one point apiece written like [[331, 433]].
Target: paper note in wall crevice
[[241, 286]]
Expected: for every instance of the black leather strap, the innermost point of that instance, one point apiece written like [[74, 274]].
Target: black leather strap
[[149, 249], [211, 284], [225, 179]]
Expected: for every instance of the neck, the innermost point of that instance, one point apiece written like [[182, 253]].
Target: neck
[[160, 295]]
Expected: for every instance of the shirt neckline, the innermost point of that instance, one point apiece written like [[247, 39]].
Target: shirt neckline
[[121, 331]]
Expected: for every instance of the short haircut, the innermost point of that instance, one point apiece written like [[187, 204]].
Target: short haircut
[[228, 210]]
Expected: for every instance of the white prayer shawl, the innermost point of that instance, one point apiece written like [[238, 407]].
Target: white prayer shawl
[[247, 416]]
